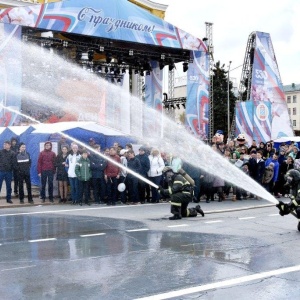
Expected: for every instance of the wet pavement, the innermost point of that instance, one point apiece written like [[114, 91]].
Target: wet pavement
[[131, 252]]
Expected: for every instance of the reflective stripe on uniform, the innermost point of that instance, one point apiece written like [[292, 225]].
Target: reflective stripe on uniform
[[185, 192], [170, 190], [295, 202], [175, 203], [187, 212], [178, 182]]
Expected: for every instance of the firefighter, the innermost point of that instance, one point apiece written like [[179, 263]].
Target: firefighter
[[180, 192], [292, 178]]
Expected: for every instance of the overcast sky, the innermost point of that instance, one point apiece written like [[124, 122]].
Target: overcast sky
[[234, 20]]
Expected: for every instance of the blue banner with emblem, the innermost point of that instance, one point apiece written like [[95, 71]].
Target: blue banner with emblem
[[197, 103]]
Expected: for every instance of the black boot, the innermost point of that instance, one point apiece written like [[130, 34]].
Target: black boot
[[299, 226], [220, 197], [176, 211], [199, 210]]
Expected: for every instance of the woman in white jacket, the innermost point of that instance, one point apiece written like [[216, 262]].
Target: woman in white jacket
[[155, 172]]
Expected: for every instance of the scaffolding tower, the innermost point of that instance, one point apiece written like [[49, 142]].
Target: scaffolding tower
[[246, 78], [171, 80], [210, 48]]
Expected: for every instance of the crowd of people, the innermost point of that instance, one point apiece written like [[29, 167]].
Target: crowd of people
[[84, 176], [262, 162]]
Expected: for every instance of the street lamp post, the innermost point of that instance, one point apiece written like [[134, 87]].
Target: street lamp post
[[228, 106]]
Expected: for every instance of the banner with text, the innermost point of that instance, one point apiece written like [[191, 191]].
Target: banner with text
[[267, 89], [114, 19]]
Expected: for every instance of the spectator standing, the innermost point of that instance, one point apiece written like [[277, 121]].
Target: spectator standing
[[46, 170], [197, 176], [62, 174], [208, 188], [260, 167], [98, 165], [155, 172], [268, 176], [262, 148], [231, 146], [106, 152], [92, 142], [7, 165], [84, 174], [252, 147], [133, 164], [116, 145], [269, 150], [294, 152], [274, 160], [62, 143], [15, 148], [284, 167], [128, 146], [123, 174], [23, 172], [221, 148], [71, 162], [112, 175], [145, 166], [175, 163], [252, 166]]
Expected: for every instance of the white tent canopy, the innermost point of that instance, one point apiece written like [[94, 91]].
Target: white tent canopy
[[285, 139], [18, 130]]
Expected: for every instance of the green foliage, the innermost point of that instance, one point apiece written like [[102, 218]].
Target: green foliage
[[220, 96]]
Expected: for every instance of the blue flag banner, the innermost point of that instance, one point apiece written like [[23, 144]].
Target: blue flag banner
[[197, 104], [152, 119]]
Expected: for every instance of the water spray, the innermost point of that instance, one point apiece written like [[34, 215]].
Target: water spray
[[190, 148]]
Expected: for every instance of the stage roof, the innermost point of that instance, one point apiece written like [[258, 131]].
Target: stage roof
[[114, 19], [105, 26]]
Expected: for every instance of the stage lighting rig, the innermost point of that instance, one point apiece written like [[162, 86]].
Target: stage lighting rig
[[90, 55], [171, 65], [161, 64], [108, 57], [185, 66]]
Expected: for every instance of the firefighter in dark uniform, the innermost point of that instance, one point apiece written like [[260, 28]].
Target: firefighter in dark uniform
[[292, 178], [180, 192]]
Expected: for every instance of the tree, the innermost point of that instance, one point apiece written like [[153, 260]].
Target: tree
[[220, 96]]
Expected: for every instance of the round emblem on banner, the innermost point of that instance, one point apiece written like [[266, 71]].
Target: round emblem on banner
[[262, 112]]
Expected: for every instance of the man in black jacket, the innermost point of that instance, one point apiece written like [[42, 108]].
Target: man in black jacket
[[133, 164], [15, 148], [7, 165], [98, 165], [23, 172], [145, 166]]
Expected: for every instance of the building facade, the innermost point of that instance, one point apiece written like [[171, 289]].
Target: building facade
[[292, 95]]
